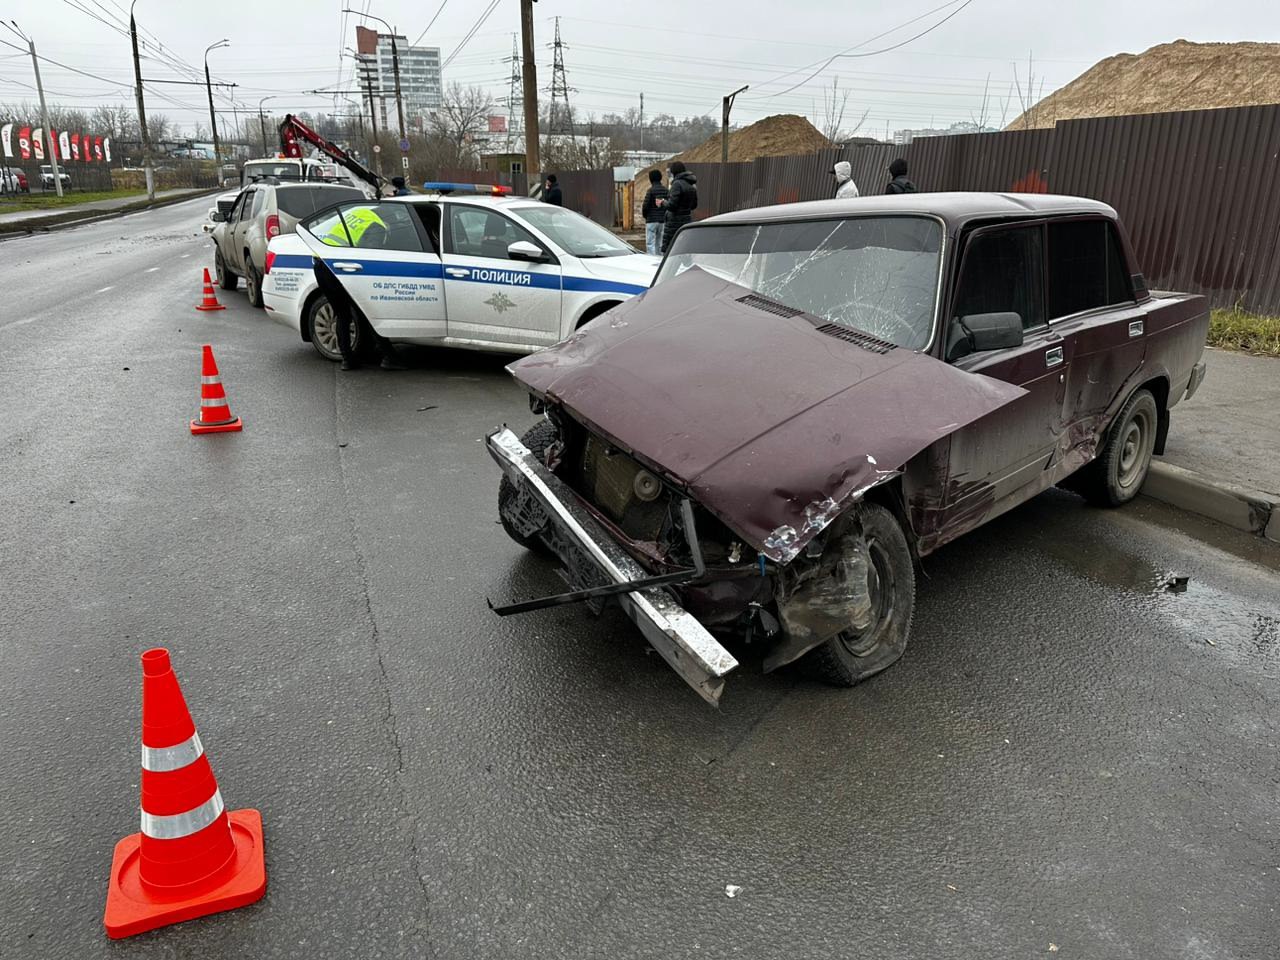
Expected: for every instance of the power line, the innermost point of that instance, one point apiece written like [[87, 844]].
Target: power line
[[431, 22], [56, 63], [872, 53], [471, 33]]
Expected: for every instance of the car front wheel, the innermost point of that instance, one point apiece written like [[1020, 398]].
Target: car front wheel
[[537, 438], [226, 279], [854, 655], [322, 324]]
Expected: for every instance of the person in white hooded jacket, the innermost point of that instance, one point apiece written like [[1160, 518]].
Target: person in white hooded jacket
[[845, 187]]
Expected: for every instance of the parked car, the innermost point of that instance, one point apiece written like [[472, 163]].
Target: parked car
[[814, 396], [13, 180], [263, 211], [505, 274], [46, 177]]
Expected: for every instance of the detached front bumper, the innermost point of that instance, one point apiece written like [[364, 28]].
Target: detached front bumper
[[671, 630]]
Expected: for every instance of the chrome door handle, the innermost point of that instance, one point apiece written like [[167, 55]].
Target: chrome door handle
[[346, 266], [457, 272], [1053, 357], [1135, 328]]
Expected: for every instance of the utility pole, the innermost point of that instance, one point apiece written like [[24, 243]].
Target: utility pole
[[532, 160], [726, 106], [642, 121], [213, 119], [395, 66], [376, 148], [142, 113], [44, 118]]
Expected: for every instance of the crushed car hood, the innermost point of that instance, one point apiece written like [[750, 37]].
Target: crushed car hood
[[770, 423]]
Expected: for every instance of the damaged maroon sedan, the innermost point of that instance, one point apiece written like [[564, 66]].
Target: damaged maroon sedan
[[813, 396]]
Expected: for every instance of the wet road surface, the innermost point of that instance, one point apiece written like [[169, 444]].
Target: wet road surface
[[1070, 758]]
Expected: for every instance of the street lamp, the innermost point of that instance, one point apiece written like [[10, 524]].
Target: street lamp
[[263, 122], [213, 120], [395, 66]]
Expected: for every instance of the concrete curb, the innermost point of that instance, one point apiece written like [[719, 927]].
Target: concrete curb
[[1249, 510], [20, 231]]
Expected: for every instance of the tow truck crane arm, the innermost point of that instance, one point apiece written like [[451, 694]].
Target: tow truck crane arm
[[292, 129]]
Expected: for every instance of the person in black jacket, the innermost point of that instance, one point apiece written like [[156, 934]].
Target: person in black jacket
[[899, 183], [654, 215], [682, 200], [551, 191]]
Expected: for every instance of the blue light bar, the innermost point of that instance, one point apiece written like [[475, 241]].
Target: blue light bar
[[480, 188]]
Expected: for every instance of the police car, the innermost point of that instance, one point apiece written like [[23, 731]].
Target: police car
[[454, 268]]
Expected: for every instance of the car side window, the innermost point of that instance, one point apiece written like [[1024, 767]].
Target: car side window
[[1086, 268], [238, 209], [329, 229], [259, 202], [482, 233], [1003, 272], [382, 226]]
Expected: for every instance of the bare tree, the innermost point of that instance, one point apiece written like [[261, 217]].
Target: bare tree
[[834, 104], [464, 113]]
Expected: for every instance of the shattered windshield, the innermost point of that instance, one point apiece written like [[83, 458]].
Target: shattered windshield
[[875, 274]]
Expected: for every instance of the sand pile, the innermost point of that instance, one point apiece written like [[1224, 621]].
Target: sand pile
[[1173, 76]]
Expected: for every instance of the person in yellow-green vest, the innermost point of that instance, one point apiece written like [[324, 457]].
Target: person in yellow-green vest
[[357, 227]]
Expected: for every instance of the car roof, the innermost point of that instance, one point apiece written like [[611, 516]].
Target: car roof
[[953, 208], [479, 198]]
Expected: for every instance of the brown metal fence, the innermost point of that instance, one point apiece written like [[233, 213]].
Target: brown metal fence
[[1199, 191], [589, 192]]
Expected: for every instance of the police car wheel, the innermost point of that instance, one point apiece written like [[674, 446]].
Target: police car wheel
[[226, 279], [322, 324]]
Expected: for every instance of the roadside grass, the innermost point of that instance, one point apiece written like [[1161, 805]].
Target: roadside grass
[[1234, 329], [51, 201]]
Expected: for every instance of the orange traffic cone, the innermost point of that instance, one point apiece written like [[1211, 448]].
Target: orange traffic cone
[[215, 414], [210, 301], [192, 858]]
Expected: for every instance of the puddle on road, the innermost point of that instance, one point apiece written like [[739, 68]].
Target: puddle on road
[[1242, 628]]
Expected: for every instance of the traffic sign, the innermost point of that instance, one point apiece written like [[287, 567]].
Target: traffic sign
[[404, 162], [404, 145], [377, 148]]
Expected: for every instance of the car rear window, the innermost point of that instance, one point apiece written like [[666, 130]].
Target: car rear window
[[302, 201]]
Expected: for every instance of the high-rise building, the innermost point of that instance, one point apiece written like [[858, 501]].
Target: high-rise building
[[420, 84]]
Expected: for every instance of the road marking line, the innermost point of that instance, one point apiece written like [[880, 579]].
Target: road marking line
[[185, 255], [151, 269], [105, 289]]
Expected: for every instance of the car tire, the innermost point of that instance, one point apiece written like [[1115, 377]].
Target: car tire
[[537, 438], [226, 279], [1117, 473], [323, 332], [848, 658], [253, 283]]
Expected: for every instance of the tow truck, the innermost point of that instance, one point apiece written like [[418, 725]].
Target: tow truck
[[292, 130]]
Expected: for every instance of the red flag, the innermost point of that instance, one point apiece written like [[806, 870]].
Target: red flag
[[97, 149], [24, 142], [75, 146]]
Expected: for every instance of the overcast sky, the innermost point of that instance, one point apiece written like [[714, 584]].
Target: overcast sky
[[682, 56]]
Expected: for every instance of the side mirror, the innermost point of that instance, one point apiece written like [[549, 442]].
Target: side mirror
[[983, 331], [524, 250]]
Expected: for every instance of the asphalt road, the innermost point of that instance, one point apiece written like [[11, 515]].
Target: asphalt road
[[1070, 758]]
